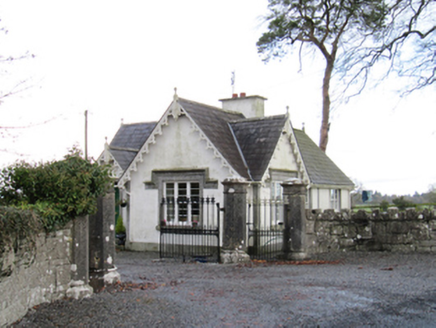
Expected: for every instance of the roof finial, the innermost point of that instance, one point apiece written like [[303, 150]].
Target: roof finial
[[303, 127], [176, 97], [287, 110], [122, 121], [106, 146]]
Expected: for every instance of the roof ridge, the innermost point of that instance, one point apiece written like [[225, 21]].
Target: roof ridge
[[241, 153], [211, 106], [253, 119]]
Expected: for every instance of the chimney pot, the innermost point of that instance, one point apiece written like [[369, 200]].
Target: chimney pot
[[235, 95], [242, 95]]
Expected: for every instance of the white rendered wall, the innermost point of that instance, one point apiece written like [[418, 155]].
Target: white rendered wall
[[315, 198], [345, 199], [321, 198], [324, 199], [283, 157]]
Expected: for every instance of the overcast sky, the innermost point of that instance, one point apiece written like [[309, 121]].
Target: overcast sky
[[121, 60]]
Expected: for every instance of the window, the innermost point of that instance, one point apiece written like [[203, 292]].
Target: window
[[335, 195], [276, 204], [184, 189], [182, 202]]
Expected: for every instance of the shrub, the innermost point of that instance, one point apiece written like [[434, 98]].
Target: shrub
[[58, 191], [119, 227], [402, 204], [384, 205]]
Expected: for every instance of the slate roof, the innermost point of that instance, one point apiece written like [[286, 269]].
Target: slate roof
[[247, 144], [214, 123], [128, 141], [257, 140], [319, 166]]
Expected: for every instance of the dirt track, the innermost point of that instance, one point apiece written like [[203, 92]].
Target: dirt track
[[349, 290]]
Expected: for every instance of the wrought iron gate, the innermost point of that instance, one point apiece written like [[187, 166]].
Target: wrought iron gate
[[190, 228], [266, 230]]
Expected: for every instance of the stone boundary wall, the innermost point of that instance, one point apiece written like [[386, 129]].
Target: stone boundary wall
[[34, 274], [407, 231]]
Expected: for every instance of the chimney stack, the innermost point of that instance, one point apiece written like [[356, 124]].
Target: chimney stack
[[250, 106]]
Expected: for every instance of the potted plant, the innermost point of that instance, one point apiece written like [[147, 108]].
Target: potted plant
[[194, 224], [120, 232]]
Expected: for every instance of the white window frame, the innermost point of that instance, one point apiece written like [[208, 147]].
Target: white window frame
[[335, 199], [175, 218]]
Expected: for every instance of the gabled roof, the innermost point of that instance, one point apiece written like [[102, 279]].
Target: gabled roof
[[245, 145], [214, 122], [128, 140], [257, 139], [319, 166]]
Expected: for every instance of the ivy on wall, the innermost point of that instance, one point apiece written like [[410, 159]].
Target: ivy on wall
[[20, 224], [56, 191]]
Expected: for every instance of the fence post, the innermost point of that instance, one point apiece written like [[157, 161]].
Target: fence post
[[294, 238], [234, 225]]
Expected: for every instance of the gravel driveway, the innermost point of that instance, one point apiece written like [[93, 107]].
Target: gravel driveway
[[342, 290]]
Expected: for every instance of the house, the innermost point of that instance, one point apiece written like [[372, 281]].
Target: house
[[194, 147]]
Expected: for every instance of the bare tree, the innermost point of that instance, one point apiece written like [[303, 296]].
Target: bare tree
[[18, 86], [327, 26], [15, 88], [405, 46]]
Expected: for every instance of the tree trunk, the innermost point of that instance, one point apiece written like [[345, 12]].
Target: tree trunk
[[324, 133]]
